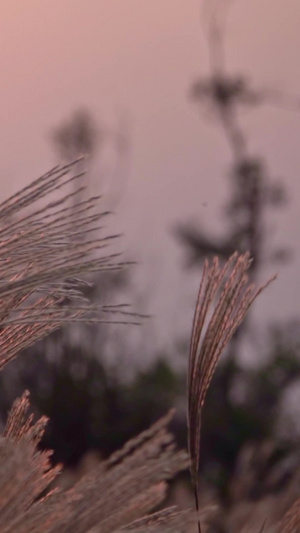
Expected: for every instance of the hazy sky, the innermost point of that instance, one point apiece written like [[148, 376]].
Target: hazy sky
[[137, 58]]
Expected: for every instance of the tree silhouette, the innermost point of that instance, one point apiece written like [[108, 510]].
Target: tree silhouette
[[223, 95], [77, 136]]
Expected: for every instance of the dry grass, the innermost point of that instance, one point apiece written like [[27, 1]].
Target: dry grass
[[42, 251], [43, 248], [224, 298], [120, 490]]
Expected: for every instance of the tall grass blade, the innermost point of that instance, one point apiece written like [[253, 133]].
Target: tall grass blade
[[224, 298]]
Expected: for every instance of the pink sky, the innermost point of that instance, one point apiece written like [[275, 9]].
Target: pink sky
[[139, 57]]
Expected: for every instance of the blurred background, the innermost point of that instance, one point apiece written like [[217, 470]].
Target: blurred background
[[189, 113]]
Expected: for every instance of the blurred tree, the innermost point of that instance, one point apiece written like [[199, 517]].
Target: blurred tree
[[81, 136], [228, 422], [250, 408], [78, 136], [222, 96], [90, 407]]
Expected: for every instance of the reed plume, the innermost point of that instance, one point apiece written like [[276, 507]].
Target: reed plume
[[224, 298], [117, 492], [44, 249]]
